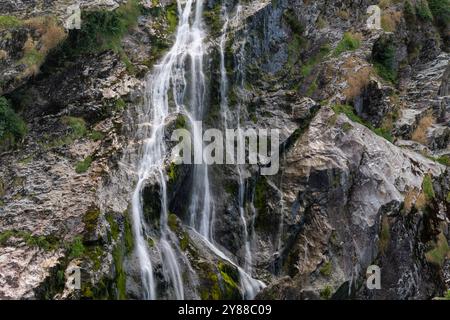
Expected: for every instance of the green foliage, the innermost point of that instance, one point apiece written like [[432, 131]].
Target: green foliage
[[172, 172], [33, 58], [423, 11], [326, 269], [7, 22], [76, 249], [46, 243], [440, 10], [172, 17], [383, 56], [184, 242], [12, 127], [83, 166], [427, 187], [114, 227], [348, 43], [439, 253], [77, 126], [128, 234], [96, 135], [120, 279], [326, 293], [349, 112], [172, 221], [212, 18]]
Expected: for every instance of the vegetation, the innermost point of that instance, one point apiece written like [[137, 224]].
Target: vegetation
[[7, 22], [326, 269], [326, 293], [76, 249], [427, 187], [83, 166], [423, 11], [349, 42], [349, 112], [12, 127], [46, 243], [440, 10], [440, 252], [383, 56]]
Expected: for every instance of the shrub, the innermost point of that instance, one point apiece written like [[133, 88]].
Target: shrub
[[423, 11], [439, 253], [9, 22], [12, 127], [349, 42], [76, 248], [383, 56], [77, 125], [441, 11], [326, 293], [83, 166]]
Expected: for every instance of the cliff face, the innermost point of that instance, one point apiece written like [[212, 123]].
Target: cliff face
[[363, 180]]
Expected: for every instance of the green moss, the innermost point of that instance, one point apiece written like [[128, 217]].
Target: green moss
[[212, 18], [349, 112], [96, 135], [128, 235], [12, 128], [440, 252], [445, 160], [427, 187], [184, 242], [172, 221], [114, 227], [7, 22], [95, 254], [348, 43], [83, 166], [423, 11], [181, 122], [120, 278], [120, 104], [440, 10], [77, 126], [326, 269], [90, 220], [76, 249], [47, 243], [172, 17], [326, 293], [172, 172], [230, 279]]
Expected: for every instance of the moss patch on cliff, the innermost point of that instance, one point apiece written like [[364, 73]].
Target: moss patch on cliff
[[440, 251], [12, 128], [84, 165], [349, 42], [46, 243]]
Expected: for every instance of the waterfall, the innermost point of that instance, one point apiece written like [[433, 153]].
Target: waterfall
[[250, 285], [168, 74], [188, 92]]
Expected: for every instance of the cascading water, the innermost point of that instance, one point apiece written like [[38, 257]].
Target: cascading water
[[251, 286], [168, 74], [188, 90]]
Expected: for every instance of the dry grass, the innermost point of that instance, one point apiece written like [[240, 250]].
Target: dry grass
[[3, 54], [357, 78], [390, 19], [343, 14], [420, 133]]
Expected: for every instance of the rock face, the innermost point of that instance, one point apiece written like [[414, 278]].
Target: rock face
[[364, 122]]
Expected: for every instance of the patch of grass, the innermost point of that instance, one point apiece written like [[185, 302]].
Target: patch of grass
[[46, 243], [420, 133], [172, 17], [76, 249], [96, 135], [349, 42], [83, 166], [427, 187], [77, 126], [326, 269], [326, 293], [349, 112], [440, 252], [114, 227], [7, 22], [440, 10], [12, 128], [423, 12], [383, 56]]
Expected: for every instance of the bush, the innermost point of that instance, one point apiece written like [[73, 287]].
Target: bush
[[9, 22], [12, 127], [84, 165], [423, 11], [76, 248], [383, 56], [427, 186], [441, 11], [350, 42]]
